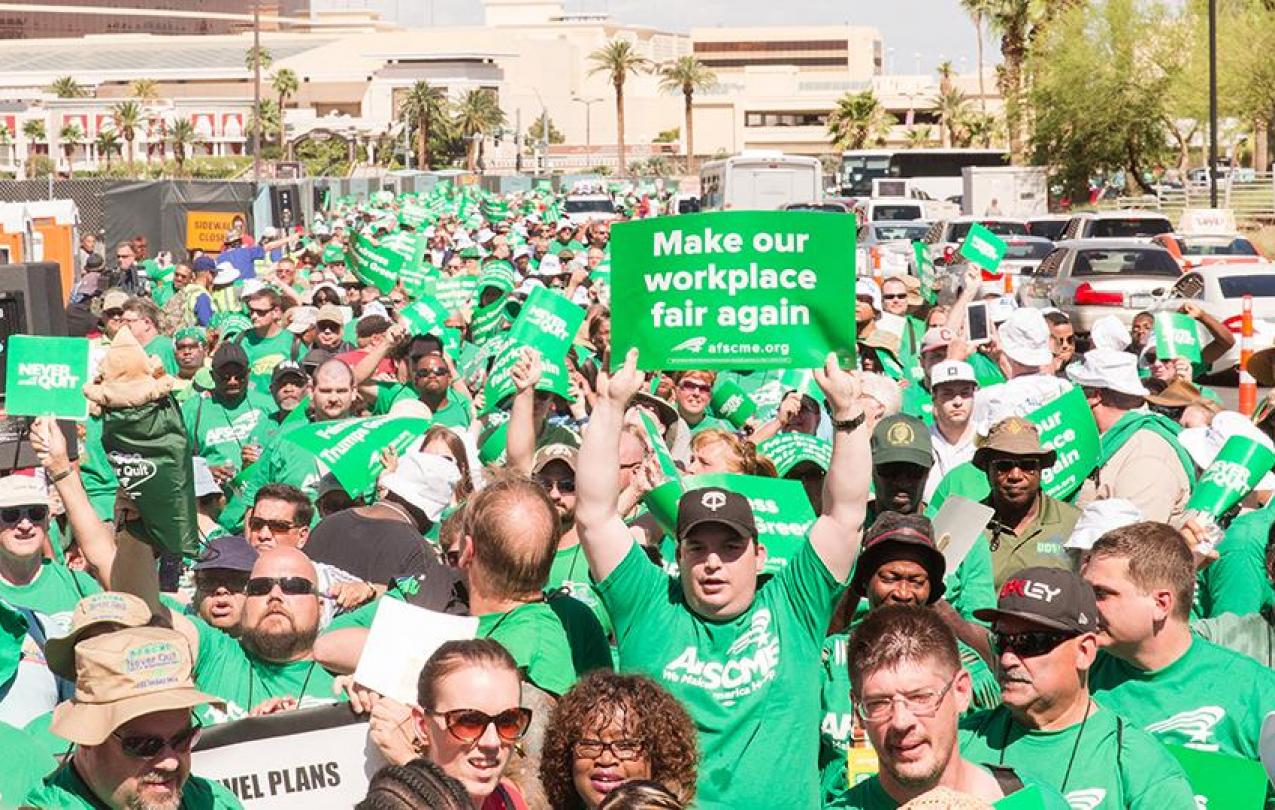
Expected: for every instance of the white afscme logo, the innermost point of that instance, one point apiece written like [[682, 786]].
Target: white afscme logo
[[1195, 725], [47, 375], [1087, 799], [732, 404], [1227, 474], [694, 345], [548, 323]]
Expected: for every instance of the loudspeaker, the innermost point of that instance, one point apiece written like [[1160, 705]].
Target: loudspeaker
[[285, 206]]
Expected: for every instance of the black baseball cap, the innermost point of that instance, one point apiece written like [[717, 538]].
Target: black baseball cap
[[896, 537], [228, 353], [707, 505], [1051, 597], [288, 368], [230, 552]]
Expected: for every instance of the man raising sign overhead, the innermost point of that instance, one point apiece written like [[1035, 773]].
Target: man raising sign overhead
[[744, 659]]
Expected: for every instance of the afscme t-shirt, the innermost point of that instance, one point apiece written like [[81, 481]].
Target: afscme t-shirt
[[751, 684]]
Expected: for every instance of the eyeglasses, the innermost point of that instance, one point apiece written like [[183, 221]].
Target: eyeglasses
[[123, 255], [565, 485], [328, 326], [277, 526], [691, 385], [623, 750], [440, 371], [1005, 465], [33, 513], [291, 586], [113, 314], [259, 312], [894, 296], [1031, 643], [921, 703], [144, 746], [467, 725], [212, 580]]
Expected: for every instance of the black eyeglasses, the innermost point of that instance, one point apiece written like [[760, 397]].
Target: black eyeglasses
[[1004, 465], [564, 485], [1031, 643], [893, 296], [623, 750], [256, 524], [260, 312], [467, 725], [145, 746], [33, 513], [432, 372], [291, 586], [213, 580]]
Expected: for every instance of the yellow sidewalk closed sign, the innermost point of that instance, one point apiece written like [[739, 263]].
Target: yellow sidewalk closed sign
[[206, 230]]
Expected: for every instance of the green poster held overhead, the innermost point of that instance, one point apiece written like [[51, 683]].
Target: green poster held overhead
[[658, 446], [351, 448], [733, 289], [1067, 427], [925, 271], [548, 323], [456, 292], [1176, 335], [983, 248], [787, 450], [379, 263], [1222, 781], [45, 376], [731, 403], [487, 322], [1239, 465], [425, 316]]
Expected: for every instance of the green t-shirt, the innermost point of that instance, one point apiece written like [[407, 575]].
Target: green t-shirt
[[224, 669], [1237, 581], [554, 641], [456, 413], [571, 571], [284, 462], [266, 353], [65, 790], [1112, 764], [751, 684], [95, 471], [219, 430], [711, 423], [161, 346], [387, 393], [1211, 698], [1251, 634], [53, 593], [26, 765], [869, 795]]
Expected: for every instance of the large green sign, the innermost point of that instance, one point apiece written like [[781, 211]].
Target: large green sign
[[547, 323], [1066, 425], [733, 289], [351, 448], [379, 263], [983, 248], [1239, 465], [1222, 781], [1176, 335], [45, 376]]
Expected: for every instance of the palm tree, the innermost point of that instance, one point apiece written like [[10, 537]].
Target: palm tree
[[946, 71], [978, 11], [269, 119], [69, 135], [181, 137], [107, 142], [284, 83], [258, 54], [68, 87], [952, 106], [127, 116], [857, 120], [618, 59], [34, 132], [424, 104], [477, 113], [980, 128], [918, 136], [144, 89], [686, 75]]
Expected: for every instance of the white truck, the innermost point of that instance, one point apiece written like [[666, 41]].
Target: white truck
[[1007, 191], [760, 181]]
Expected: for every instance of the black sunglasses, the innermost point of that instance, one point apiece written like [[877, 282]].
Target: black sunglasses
[[432, 372], [564, 485], [467, 725], [256, 524], [15, 515], [290, 586], [146, 746], [213, 580], [1031, 643], [1027, 465]]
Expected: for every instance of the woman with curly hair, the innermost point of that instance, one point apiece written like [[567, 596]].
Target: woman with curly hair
[[714, 450], [609, 729]]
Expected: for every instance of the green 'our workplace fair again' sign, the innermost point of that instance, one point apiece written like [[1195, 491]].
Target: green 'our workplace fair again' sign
[[733, 289]]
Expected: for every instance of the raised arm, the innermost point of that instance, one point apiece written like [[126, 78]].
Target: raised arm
[[838, 532], [520, 437], [135, 571], [603, 534], [95, 538]]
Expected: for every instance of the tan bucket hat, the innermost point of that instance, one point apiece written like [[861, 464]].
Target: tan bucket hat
[[94, 610], [1177, 394], [1014, 436], [124, 675]]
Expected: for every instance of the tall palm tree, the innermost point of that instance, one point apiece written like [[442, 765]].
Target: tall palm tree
[[181, 137], [423, 105], [284, 83], [107, 142], [617, 59], [34, 132], [68, 87], [918, 136], [857, 120], [686, 75], [978, 11], [144, 89], [258, 54], [477, 113], [952, 106], [269, 119], [69, 135], [128, 116], [946, 71]]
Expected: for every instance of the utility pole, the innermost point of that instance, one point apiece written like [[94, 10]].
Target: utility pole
[[518, 141], [256, 97], [1213, 103]]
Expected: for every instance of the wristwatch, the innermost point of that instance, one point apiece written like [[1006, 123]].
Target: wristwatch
[[849, 424]]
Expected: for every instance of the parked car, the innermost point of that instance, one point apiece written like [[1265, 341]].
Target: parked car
[[1091, 278], [893, 209], [1023, 254], [585, 208], [887, 246], [831, 206], [1126, 224], [1201, 250], [945, 236], [1049, 226], [1225, 286]]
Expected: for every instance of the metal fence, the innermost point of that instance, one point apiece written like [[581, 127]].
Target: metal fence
[[1252, 199], [87, 194]]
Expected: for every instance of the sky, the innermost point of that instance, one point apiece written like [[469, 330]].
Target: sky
[[935, 29]]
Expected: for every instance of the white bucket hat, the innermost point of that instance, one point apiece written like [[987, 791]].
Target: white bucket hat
[[424, 480], [1109, 369], [1100, 517], [1024, 336], [1109, 333], [868, 288]]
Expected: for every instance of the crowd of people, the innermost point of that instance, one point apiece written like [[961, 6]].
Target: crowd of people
[[622, 658]]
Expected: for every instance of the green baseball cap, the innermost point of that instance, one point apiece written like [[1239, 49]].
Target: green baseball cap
[[901, 439]]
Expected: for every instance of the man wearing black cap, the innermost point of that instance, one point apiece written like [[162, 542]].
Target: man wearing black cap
[[1045, 628], [220, 421], [289, 385], [743, 659], [221, 574], [901, 459]]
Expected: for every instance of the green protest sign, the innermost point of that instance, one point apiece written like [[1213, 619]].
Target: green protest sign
[[1067, 426], [733, 289], [351, 448], [1239, 465], [380, 263], [983, 248], [659, 447], [925, 271], [415, 278], [45, 376], [487, 321], [547, 323], [1222, 781], [731, 403], [1026, 798], [1176, 335], [456, 292], [780, 508], [425, 316], [787, 450], [498, 274]]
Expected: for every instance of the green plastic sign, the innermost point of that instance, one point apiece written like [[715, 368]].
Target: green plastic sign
[[1026, 798], [1067, 426], [733, 289], [1176, 335], [487, 322], [1239, 465], [456, 292], [787, 450], [925, 271], [45, 376], [547, 323], [380, 263], [983, 248], [1222, 781], [351, 448], [426, 316], [731, 403], [780, 508], [655, 438]]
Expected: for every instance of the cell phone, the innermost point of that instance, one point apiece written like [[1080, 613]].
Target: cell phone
[[977, 328]]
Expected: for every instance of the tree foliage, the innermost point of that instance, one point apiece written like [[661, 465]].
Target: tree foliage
[[859, 120], [535, 135]]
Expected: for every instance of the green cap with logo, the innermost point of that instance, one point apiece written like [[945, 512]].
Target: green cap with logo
[[902, 439]]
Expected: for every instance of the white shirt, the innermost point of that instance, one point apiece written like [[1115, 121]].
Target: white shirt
[[947, 456]]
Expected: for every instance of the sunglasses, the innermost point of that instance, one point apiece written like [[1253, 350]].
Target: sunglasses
[[564, 485], [291, 586], [1027, 465], [144, 746], [467, 725], [33, 513], [276, 526], [260, 312], [112, 314], [894, 296], [432, 372], [328, 326], [691, 385], [213, 581], [1030, 644]]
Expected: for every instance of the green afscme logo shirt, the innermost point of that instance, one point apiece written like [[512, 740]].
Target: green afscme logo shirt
[[751, 684]]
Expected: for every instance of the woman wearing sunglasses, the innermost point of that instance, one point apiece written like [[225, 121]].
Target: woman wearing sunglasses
[[610, 729]]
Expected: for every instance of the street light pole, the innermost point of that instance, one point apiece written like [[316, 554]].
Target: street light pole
[[588, 124], [256, 96], [1213, 103]]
